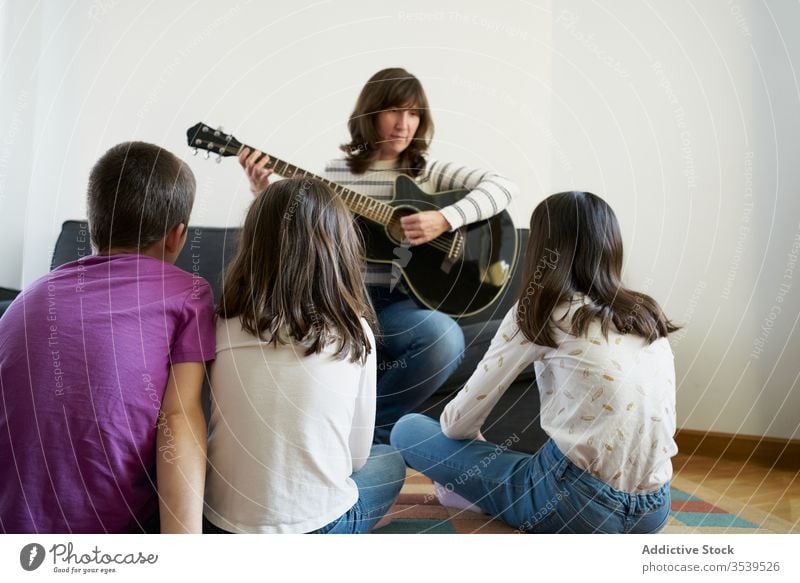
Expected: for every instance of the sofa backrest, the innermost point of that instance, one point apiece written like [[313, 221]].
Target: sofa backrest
[[206, 252], [209, 249]]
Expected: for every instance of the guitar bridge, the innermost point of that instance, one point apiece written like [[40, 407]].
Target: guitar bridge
[[457, 246], [453, 252]]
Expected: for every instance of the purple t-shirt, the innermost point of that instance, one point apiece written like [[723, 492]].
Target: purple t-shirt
[[84, 359]]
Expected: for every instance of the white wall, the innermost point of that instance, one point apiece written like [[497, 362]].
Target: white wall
[[111, 71], [683, 115], [20, 34]]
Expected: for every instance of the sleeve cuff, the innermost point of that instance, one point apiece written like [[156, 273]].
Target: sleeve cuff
[[453, 217], [180, 357]]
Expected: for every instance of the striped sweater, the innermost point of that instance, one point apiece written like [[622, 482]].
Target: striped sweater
[[489, 194]]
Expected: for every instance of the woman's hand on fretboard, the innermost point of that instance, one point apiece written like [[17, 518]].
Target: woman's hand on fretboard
[[254, 164]]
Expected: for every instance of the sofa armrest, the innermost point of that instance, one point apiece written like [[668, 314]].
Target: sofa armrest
[[6, 297], [8, 294]]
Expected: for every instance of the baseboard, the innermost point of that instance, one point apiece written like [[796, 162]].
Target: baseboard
[[769, 451]]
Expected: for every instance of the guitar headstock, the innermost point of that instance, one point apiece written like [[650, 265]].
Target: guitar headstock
[[203, 137]]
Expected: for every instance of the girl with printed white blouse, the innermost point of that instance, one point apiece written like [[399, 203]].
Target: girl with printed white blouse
[[606, 379]]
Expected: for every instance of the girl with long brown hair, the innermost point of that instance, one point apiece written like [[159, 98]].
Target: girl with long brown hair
[[606, 379], [293, 386], [391, 129]]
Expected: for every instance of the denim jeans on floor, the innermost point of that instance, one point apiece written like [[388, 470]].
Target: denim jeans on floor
[[379, 483], [540, 493], [418, 350]]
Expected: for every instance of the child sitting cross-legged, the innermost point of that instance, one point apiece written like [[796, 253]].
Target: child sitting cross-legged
[[606, 379], [293, 386]]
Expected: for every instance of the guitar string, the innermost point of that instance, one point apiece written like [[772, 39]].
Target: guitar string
[[444, 244]]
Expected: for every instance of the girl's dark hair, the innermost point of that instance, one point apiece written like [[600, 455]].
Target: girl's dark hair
[[298, 271], [388, 89], [575, 246], [137, 193]]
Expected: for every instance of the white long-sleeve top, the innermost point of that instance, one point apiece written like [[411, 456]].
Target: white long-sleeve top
[[285, 434], [609, 405], [490, 193]]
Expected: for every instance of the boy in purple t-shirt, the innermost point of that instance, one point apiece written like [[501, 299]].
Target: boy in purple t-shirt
[[102, 366]]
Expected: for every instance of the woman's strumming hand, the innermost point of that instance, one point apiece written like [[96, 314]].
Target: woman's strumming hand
[[425, 226]]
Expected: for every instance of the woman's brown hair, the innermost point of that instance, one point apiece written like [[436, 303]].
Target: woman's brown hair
[[575, 246], [298, 271], [388, 89]]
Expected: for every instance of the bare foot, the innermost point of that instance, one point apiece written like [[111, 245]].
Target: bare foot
[[450, 499]]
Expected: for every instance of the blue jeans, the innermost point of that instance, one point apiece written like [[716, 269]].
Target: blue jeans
[[418, 350], [540, 493], [379, 483]]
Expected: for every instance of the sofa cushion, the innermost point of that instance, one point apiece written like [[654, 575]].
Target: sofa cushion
[[477, 337], [207, 251]]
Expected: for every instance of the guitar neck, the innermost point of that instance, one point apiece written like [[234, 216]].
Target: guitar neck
[[360, 204]]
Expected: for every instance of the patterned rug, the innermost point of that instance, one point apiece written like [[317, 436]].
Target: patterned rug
[[695, 509]]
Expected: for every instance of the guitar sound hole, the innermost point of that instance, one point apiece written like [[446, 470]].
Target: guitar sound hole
[[394, 228]]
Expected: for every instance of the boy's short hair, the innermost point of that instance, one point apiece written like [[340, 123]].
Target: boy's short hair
[[137, 193]]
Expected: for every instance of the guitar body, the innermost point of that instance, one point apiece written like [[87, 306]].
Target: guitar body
[[459, 284]]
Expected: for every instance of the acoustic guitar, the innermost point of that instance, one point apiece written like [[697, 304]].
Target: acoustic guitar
[[459, 273]]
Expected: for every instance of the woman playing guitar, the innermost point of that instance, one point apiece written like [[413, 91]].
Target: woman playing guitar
[[390, 130]]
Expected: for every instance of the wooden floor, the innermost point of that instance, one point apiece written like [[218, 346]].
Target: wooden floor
[[773, 491]]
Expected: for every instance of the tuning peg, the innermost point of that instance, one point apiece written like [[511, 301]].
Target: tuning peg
[[219, 159], [194, 151], [206, 155]]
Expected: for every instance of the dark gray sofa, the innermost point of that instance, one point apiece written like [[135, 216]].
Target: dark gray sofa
[[208, 249]]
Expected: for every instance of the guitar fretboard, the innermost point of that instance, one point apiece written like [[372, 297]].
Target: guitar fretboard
[[362, 205]]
